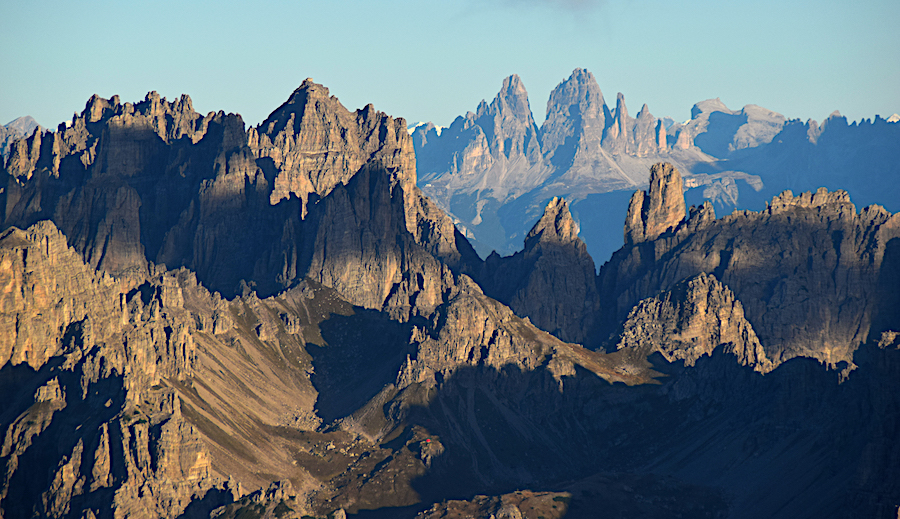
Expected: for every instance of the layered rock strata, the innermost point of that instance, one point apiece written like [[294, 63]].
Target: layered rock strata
[[156, 181], [660, 209], [551, 281], [808, 270], [691, 320]]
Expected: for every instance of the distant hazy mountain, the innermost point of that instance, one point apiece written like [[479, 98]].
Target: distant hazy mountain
[[15, 129], [200, 319], [494, 170]]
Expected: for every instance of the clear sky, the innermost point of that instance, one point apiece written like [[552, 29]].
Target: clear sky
[[430, 60]]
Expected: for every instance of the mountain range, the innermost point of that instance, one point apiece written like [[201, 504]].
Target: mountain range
[[491, 167], [200, 319]]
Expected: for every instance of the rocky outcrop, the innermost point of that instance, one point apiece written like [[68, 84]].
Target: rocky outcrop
[[658, 210], [115, 179], [719, 131], [807, 270], [357, 243], [551, 281], [493, 154], [691, 320], [649, 134], [551, 505], [315, 144], [156, 182], [618, 134], [362, 368], [100, 432], [576, 118], [492, 166], [178, 394], [14, 130]]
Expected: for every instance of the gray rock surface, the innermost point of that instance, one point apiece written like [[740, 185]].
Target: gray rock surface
[[551, 281], [693, 319], [361, 362], [491, 167], [14, 130], [809, 270], [156, 181]]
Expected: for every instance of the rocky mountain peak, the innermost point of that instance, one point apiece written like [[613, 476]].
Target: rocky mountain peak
[[577, 116], [644, 111], [513, 85], [514, 98], [617, 137], [708, 106], [556, 225], [661, 208], [310, 121], [293, 110], [691, 320], [837, 202], [24, 125], [581, 90], [14, 130]]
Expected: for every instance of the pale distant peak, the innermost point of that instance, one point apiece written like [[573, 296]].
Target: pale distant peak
[[894, 118], [413, 127]]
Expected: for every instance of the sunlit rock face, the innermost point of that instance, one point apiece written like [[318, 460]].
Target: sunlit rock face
[[809, 270], [322, 341]]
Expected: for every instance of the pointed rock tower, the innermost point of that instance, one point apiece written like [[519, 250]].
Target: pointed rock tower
[[662, 208], [551, 281]]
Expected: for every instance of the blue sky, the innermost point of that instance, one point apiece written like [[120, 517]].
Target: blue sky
[[433, 60]]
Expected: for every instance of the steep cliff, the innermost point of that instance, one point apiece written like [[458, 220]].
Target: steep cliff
[[90, 426], [152, 397], [16, 130], [808, 270], [552, 280], [483, 159], [354, 363], [157, 182], [661, 209], [491, 167], [316, 144], [693, 319]]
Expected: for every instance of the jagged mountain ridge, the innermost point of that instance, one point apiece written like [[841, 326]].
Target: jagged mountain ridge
[[200, 191], [437, 351], [594, 155], [207, 393], [372, 202], [15, 130]]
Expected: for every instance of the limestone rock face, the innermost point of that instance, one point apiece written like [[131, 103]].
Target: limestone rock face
[[494, 165], [156, 182], [316, 144], [473, 330], [692, 319], [97, 350], [491, 155], [46, 289], [498, 140], [658, 210], [16, 130], [719, 131], [808, 271], [618, 136], [648, 133], [563, 135], [100, 178], [551, 281], [357, 243], [174, 389]]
